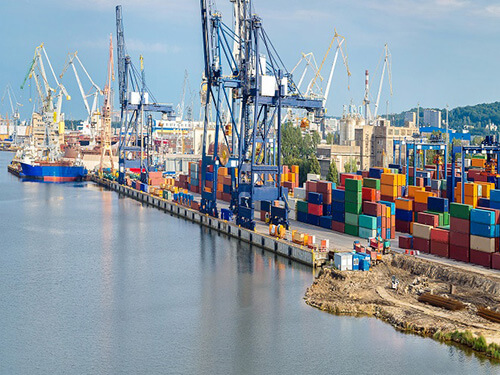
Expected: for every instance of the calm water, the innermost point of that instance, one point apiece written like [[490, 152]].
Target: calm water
[[91, 283]]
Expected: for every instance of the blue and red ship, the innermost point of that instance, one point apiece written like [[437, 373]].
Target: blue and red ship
[[57, 171]]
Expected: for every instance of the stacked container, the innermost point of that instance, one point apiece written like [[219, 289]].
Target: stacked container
[[338, 210], [314, 207], [440, 240], [404, 214], [422, 237], [353, 206], [302, 211], [483, 231], [439, 206], [391, 186], [388, 227], [459, 231]]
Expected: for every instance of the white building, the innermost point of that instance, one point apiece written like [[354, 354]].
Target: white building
[[432, 117]]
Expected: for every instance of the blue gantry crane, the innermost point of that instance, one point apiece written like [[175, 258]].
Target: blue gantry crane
[[246, 85], [137, 105]]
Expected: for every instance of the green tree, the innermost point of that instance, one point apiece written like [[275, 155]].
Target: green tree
[[350, 166], [333, 173], [330, 138], [477, 140], [314, 166], [316, 139]]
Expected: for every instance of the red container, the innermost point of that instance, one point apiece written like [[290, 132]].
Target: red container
[[459, 253], [459, 239], [387, 198], [440, 235], [428, 219], [311, 187], [339, 227], [393, 221], [344, 176], [419, 207], [419, 181], [226, 197], [459, 225], [440, 249], [324, 187], [405, 242], [421, 244], [372, 208], [327, 198], [368, 194], [403, 226], [315, 209], [263, 215], [495, 261], [393, 232], [481, 258]]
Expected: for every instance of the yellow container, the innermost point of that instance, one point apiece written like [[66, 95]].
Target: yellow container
[[472, 201], [486, 188], [422, 196], [470, 189]]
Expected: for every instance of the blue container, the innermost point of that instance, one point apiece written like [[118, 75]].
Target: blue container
[[387, 233], [480, 216], [495, 205], [338, 206], [437, 204], [327, 209], [315, 198], [375, 173], [392, 205], [483, 202], [226, 189], [313, 219], [404, 215], [265, 206], [325, 222], [302, 216], [338, 195], [226, 214], [334, 185], [355, 262], [483, 230], [209, 176], [495, 195], [338, 216], [379, 221]]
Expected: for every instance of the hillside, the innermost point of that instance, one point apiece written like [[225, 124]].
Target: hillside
[[476, 116]]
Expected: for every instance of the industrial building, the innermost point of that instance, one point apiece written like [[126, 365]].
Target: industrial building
[[432, 117]]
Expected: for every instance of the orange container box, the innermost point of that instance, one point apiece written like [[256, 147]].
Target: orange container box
[[422, 196], [389, 190], [413, 189], [404, 204], [388, 179]]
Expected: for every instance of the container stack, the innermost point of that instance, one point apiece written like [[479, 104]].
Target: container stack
[[440, 240], [404, 214], [422, 237], [440, 207], [471, 193], [391, 186], [495, 199], [353, 205], [155, 178], [194, 177], [338, 210], [483, 234], [388, 229], [302, 211], [459, 231], [314, 207]]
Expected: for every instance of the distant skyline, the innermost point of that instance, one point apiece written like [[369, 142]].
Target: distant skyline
[[443, 51]]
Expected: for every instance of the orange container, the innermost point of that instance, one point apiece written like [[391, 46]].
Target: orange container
[[404, 204], [422, 196], [413, 189], [478, 162], [471, 201], [389, 190], [388, 179]]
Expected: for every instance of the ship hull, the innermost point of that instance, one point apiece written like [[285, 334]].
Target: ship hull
[[53, 173]]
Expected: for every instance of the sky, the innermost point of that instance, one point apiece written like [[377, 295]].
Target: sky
[[442, 51]]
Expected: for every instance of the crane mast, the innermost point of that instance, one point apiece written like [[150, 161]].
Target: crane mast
[[106, 113], [386, 65]]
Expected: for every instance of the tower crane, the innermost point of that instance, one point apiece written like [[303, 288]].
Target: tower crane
[[247, 83], [310, 62], [106, 113], [9, 92], [386, 66], [136, 101], [94, 92], [50, 112]]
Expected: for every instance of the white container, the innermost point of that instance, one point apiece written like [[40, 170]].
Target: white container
[[483, 244], [299, 193], [422, 231], [313, 177], [343, 261]]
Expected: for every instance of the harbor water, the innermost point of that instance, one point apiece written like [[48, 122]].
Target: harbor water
[[94, 283]]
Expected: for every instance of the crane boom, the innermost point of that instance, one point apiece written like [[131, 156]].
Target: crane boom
[[387, 66]]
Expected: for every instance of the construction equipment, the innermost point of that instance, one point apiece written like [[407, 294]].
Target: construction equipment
[[94, 92], [106, 113], [394, 282], [247, 86], [14, 106], [136, 132]]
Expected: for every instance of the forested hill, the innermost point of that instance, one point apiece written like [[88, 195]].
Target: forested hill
[[477, 117]]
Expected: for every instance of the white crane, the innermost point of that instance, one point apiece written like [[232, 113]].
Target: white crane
[[310, 63], [94, 91], [386, 66]]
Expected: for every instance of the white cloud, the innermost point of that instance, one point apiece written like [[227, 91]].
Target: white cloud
[[140, 46], [492, 10]]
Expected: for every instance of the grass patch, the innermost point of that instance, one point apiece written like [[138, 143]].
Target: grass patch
[[467, 338]]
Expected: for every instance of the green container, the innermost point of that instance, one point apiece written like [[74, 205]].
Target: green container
[[301, 206], [166, 194], [367, 233], [460, 210], [446, 218], [351, 196], [366, 221], [371, 183], [440, 215], [443, 185], [353, 208], [351, 219], [353, 230], [410, 180], [353, 185]]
